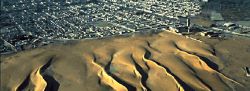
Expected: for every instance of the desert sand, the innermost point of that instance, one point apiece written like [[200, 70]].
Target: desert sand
[[163, 61]]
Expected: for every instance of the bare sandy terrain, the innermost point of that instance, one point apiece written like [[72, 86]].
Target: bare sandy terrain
[[156, 62], [235, 55]]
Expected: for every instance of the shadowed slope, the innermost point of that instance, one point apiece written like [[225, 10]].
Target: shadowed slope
[[156, 62]]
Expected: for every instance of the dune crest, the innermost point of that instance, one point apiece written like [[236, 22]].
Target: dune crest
[[155, 62], [159, 74], [38, 81], [109, 81]]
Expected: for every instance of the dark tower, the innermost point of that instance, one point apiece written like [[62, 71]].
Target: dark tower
[[1, 5]]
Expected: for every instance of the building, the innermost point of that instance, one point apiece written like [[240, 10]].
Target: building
[[215, 16], [204, 0]]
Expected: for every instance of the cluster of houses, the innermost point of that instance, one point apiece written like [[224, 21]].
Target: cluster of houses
[[32, 23]]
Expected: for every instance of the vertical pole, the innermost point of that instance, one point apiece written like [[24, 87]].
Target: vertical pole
[[188, 21], [188, 24]]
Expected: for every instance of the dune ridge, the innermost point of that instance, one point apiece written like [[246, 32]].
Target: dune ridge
[[156, 62]]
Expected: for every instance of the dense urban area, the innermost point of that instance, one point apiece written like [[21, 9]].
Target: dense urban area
[[26, 24]]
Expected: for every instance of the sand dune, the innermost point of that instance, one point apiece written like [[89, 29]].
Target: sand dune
[[156, 62]]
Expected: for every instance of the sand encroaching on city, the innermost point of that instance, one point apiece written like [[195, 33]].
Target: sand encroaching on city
[[154, 62]]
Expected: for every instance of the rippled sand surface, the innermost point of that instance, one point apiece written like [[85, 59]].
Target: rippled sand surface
[[156, 62]]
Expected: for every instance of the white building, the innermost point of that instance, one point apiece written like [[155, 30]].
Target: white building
[[204, 0]]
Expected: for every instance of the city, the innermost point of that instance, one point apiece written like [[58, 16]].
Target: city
[[124, 45], [27, 21]]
